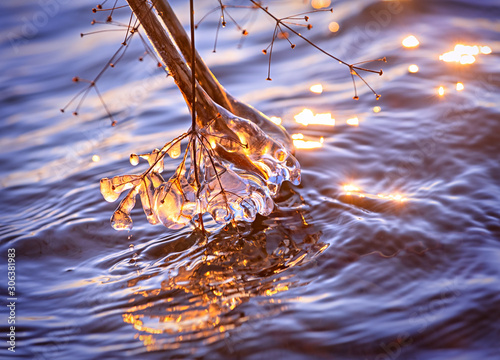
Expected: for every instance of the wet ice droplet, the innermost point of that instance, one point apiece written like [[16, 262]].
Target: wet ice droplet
[[121, 221], [134, 159]]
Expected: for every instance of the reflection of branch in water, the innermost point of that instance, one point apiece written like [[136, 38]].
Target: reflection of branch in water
[[201, 298]]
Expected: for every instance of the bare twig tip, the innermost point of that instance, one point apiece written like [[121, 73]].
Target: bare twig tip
[[94, 10], [99, 7], [292, 46], [75, 79], [356, 97], [75, 113], [269, 79]]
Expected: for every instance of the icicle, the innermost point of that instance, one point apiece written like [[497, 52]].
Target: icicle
[[121, 219]]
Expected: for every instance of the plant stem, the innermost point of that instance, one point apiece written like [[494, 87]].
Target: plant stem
[[209, 82], [175, 63]]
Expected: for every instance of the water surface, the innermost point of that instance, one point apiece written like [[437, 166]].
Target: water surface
[[403, 265]]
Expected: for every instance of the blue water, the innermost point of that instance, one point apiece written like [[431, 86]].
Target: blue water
[[331, 274]]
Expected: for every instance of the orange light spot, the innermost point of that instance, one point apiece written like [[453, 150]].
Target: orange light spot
[[96, 158], [351, 188], [318, 4], [333, 26], [441, 91], [460, 86], [377, 109]]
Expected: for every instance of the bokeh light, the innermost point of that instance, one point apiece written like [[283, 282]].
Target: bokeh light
[[410, 41], [276, 120], [319, 4], [413, 68], [354, 121], [333, 26], [317, 88], [464, 54], [307, 117]]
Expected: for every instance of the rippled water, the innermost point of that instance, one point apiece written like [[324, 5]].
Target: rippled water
[[334, 272]]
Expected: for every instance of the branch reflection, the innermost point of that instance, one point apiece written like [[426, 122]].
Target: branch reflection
[[195, 293]]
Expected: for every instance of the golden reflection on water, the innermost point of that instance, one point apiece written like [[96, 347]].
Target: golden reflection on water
[[410, 41], [275, 119], [317, 88], [413, 68], [465, 54], [300, 143], [307, 117], [353, 190], [201, 289], [354, 121]]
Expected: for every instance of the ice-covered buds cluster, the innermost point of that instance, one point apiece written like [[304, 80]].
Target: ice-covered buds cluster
[[231, 170]]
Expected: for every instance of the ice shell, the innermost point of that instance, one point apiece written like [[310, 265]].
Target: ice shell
[[226, 195], [175, 150], [174, 204], [156, 159], [243, 146], [146, 192], [112, 188]]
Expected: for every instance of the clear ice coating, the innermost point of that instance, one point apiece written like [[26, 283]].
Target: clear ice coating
[[236, 172]]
